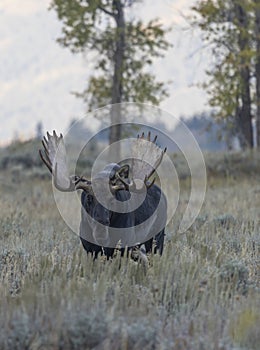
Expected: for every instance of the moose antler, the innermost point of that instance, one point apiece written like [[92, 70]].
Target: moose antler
[[146, 158], [54, 157]]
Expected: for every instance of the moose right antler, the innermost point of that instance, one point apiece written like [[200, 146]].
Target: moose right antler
[[54, 157]]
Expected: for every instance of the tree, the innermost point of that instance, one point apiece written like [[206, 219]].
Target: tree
[[230, 28], [257, 68], [124, 49], [39, 131]]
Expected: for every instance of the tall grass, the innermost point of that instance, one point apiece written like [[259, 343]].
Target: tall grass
[[203, 293]]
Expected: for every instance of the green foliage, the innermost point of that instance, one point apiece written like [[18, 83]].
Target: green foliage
[[228, 29], [91, 26]]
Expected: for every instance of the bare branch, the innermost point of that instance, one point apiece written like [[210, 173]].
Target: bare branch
[[109, 13]]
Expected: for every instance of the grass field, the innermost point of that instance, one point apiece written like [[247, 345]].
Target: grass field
[[203, 293]]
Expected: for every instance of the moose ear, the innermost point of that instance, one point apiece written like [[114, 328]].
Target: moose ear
[[123, 171]]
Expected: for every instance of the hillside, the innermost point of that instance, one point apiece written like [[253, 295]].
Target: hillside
[[24, 157]]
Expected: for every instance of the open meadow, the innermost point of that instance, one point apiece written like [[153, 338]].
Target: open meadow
[[203, 293]]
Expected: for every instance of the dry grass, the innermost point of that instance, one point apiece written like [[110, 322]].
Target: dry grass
[[203, 293]]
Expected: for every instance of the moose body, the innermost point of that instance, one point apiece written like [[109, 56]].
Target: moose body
[[92, 209], [117, 208]]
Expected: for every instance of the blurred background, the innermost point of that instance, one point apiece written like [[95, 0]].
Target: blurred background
[[38, 75], [197, 60]]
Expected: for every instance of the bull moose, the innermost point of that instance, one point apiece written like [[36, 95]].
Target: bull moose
[[103, 226]]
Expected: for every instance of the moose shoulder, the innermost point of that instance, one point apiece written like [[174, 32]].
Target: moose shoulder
[[119, 205]]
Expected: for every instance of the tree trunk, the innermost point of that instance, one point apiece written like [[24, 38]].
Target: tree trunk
[[245, 117], [257, 70], [117, 88]]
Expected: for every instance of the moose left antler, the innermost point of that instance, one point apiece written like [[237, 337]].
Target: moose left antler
[[146, 158]]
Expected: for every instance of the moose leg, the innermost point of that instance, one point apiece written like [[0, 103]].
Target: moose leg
[[159, 242], [91, 247], [109, 252], [148, 245]]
